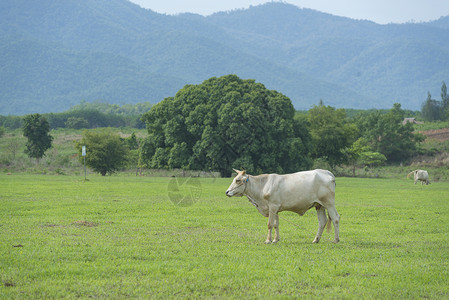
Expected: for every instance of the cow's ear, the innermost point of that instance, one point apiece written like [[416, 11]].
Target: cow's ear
[[236, 171]]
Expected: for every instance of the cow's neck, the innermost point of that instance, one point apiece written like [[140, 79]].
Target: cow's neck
[[254, 188]]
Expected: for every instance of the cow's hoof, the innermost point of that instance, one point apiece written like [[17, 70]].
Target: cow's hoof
[[315, 241], [267, 242], [336, 241], [274, 241]]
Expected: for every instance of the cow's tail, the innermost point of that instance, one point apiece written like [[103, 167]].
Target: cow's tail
[[412, 172]]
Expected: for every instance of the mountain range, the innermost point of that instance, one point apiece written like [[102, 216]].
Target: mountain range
[[54, 54]]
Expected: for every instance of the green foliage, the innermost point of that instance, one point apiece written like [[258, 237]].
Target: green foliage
[[106, 152], [360, 154], [397, 141], [90, 115], [331, 133], [76, 123], [99, 114], [145, 153], [132, 142], [434, 110], [387, 134], [179, 155], [2, 131], [370, 158], [113, 109], [11, 122], [445, 100], [223, 123], [133, 145], [36, 129], [89, 118]]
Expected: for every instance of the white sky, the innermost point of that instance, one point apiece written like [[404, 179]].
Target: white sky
[[379, 11]]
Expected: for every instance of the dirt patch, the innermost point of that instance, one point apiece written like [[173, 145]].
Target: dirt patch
[[8, 283], [437, 134], [50, 225], [84, 223]]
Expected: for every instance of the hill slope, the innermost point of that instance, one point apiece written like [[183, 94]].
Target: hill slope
[[53, 54]]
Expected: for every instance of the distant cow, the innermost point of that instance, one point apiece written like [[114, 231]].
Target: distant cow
[[298, 192], [420, 175]]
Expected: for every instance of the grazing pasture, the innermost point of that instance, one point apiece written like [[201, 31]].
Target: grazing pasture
[[146, 237]]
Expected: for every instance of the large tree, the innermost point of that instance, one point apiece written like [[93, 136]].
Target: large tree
[[106, 152], [331, 133], [227, 123], [36, 129]]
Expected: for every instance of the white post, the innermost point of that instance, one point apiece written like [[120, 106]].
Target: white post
[[83, 150]]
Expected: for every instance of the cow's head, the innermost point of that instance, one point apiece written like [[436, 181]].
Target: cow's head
[[238, 185]]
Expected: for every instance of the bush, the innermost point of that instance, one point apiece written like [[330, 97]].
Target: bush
[[106, 152]]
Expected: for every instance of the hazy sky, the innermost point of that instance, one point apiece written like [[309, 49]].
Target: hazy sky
[[379, 11]]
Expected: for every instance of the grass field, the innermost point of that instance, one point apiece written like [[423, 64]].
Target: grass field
[[149, 237]]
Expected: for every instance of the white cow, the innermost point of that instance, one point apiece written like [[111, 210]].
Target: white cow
[[420, 175], [297, 192]]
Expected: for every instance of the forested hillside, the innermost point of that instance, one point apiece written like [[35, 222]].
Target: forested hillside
[[54, 54]]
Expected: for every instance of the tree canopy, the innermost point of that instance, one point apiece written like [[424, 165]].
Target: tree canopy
[[36, 129], [227, 123], [331, 133]]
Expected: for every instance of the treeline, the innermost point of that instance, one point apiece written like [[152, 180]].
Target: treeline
[[89, 115], [228, 122], [434, 110]]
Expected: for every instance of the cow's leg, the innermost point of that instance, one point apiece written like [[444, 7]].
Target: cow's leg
[[273, 221], [270, 227], [335, 217], [276, 228], [322, 220]]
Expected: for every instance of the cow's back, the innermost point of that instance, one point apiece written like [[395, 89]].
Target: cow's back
[[423, 175], [313, 179], [302, 190]]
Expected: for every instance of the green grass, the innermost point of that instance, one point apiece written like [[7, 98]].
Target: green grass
[[122, 237], [431, 125]]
